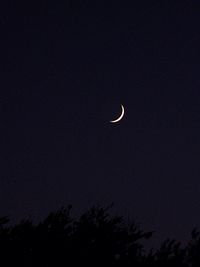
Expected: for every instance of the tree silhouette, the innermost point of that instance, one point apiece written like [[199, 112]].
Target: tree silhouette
[[103, 239], [193, 249], [95, 239]]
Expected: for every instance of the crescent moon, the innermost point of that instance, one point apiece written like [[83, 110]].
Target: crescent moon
[[120, 117]]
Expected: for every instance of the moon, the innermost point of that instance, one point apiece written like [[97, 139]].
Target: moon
[[120, 117]]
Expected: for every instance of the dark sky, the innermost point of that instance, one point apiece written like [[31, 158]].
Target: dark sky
[[65, 68]]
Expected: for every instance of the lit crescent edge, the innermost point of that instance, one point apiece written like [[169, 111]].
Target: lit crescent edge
[[120, 117]]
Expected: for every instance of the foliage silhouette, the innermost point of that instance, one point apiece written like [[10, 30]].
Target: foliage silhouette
[[95, 239]]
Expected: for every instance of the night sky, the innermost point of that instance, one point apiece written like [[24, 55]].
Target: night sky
[[65, 68]]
